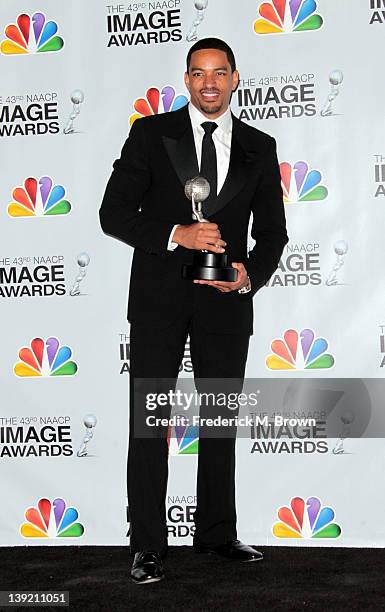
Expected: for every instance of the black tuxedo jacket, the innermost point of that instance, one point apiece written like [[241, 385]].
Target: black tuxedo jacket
[[145, 198]]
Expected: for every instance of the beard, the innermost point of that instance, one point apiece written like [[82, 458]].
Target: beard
[[211, 110]]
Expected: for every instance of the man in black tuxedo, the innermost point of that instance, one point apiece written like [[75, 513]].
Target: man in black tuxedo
[[146, 207]]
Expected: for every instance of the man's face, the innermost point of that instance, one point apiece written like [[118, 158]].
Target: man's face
[[210, 81]]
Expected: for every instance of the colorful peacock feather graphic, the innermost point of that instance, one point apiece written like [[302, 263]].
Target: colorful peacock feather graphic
[[184, 440], [157, 101], [31, 35], [45, 358], [301, 185], [306, 519], [39, 198], [299, 351], [278, 16], [51, 520]]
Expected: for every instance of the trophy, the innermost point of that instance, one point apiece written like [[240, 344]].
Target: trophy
[[335, 79], [206, 265], [83, 261], [77, 97], [89, 422], [200, 6], [347, 419], [340, 249]]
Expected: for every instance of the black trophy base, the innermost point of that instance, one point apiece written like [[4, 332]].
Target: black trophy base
[[209, 266]]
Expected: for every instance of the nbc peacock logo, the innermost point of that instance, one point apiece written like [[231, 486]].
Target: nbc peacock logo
[[158, 101], [45, 358], [299, 184], [31, 35], [306, 519], [51, 520], [39, 197], [183, 438], [286, 16], [299, 351]]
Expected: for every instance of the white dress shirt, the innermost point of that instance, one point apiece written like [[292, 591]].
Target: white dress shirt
[[221, 139], [222, 142]]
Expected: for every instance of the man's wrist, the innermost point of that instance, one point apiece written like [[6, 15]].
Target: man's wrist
[[178, 229], [246, 288]]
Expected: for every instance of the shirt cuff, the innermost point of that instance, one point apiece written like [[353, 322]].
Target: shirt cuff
[[171, 246]]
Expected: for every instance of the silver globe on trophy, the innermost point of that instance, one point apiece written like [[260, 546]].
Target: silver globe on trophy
[[77, 98], [89, 421], [335, 79], [83, 260], [200, 6], [347, 419], [340, 249], [206, 265]]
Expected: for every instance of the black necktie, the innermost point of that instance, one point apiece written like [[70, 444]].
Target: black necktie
[[209, 159]]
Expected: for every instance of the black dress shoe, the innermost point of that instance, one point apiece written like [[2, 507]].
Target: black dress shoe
[[147, 567], [231, 550]]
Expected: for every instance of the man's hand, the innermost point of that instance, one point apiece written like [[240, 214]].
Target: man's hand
[[200, 237], [242, 280]]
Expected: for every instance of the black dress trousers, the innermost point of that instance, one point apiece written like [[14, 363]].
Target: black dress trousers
[[157, 354]]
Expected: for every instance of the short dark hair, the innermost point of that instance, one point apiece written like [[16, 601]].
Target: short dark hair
[[212, 43]]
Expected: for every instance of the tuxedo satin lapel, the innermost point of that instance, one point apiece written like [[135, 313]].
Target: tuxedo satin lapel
[[182, 154], [239, 169]]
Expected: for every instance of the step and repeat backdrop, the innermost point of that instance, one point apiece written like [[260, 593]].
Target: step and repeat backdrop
[[74, 77]]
